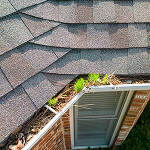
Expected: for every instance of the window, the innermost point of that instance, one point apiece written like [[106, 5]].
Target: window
[[95, 116]]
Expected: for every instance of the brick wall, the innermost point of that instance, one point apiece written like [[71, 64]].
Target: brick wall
[[66, 127], [135, 109], [53, 139], [58, 137]]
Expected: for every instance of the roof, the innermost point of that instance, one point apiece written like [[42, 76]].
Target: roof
[[45, 44]]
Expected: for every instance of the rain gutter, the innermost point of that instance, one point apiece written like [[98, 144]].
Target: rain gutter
[[52, 122], [102, 88], [51, 109]]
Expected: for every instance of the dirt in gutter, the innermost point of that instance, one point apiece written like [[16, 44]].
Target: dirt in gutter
[[27, 131]]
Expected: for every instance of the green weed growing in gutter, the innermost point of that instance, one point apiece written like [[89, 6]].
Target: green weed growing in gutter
[[86, 82], [105, 79], [53, 102], [93, 77], [79, 84]]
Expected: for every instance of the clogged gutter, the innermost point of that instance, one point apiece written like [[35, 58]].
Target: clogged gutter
[[93, 79], [44, 115]]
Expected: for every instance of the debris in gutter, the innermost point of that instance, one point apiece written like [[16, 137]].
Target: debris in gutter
[[28, 130], [44, 115], [129, 81]]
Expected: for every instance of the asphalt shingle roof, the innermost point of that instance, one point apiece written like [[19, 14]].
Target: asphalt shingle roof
[[13, 33], [46, 44], [124, 11], [47, 10], [141, 10], [39, 89], [16, 107], [5, 85], [5, 8], [38, 56], [34, 24], [24, 3], [96, 36], [16, 68]]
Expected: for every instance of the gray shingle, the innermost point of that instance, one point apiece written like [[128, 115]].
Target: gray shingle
[[67, 11], [45, 39], [137, 35], [58, 37], [38, 26], [98, 36], [77, 33], [148, 30], [124, 11], [39, 89], [91, 61], [38, 56], [118, 35], [60, 51], [114, 61], [5, 87], [15, 67], [59, 81], [148, 51], [103, 11], [141, 10], [84, 11], [138, 61], [5, 8], [70, 63], [13, 33], [6, 124], [24, 3], [51, 68], [17, 109], [1, 138], [48, 10]]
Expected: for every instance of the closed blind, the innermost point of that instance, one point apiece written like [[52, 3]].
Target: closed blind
[[95, 117]]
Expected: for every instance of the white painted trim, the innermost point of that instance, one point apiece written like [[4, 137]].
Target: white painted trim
[[85, 147], [125, 107], [51, 109], [71, 126], [120, 87]]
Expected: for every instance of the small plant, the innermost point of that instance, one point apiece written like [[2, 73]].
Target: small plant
[[93, 77], [89, 148], [53, 102], [79, 84], [105, 79], [86, 82]]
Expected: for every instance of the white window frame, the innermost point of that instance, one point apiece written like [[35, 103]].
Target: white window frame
[[119, 122]]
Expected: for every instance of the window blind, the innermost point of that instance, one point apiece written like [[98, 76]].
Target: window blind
[[95, 116]]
